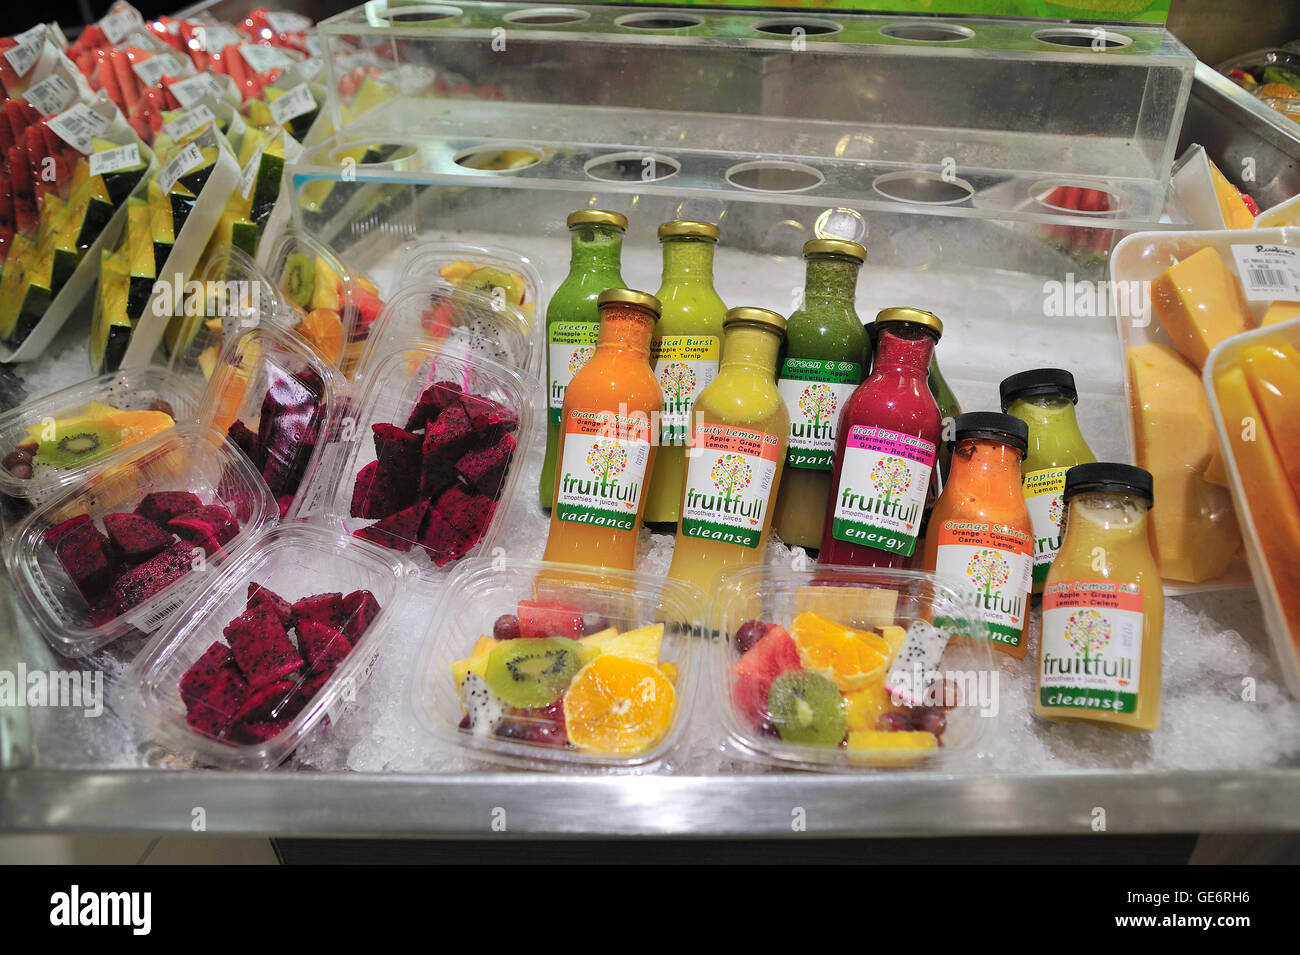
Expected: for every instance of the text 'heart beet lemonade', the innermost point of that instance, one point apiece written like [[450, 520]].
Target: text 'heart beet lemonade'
[[605, 453], [885, 450], [733, 467]]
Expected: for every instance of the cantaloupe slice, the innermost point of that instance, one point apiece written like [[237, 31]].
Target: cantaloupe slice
[[1194, 531], [1200, 303], [1236, 214], [1273, 372], [1280, 312]]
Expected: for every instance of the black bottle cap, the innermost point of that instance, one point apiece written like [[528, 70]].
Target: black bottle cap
[[1109, 478], [992, 426], [1038, 381]]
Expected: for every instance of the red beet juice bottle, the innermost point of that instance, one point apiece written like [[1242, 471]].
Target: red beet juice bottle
[[885, 448]]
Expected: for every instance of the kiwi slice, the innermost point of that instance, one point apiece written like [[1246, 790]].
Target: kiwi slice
[[78, 441], [299, 278], [487, 278], [805, 707], [532, 672]]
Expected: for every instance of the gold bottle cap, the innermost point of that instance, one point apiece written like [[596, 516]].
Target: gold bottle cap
[[688, 227], [627, 296], [835, 247], [749, 315], [914, 316], [596, 217]]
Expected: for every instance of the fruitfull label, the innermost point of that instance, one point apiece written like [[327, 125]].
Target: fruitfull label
[[729, 484], [990, 564], [883, 484], [1046, 512], [1092, 645], [684, 365], [603, 469], [814, 391], [569, 346]]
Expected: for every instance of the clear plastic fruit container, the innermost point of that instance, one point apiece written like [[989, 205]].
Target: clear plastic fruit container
[[127, 390], [270, 388], [189, 457], [1272, 548], [831, 708], [387, 395], [626, 692], [293, 561]]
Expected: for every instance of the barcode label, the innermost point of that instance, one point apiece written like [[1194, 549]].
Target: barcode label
[[118, 26], [51, 94], [196, 117], [180, 164], [286, 21], [214, 39], [263, 58], [249, 174], [293, 104], [78, 125], [156, 67], [111, 160], [311, 68], [190, 91], [24, 56], [1268, 272]]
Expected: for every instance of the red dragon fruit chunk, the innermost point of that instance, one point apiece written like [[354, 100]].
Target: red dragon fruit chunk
[[86, 556], [262, 647], [485, 468], [264, 702], [375, 496], [361, 608], [147, 580], [246, 440], [210, 526], [431, 403], [270, 600], [467, 511], [328, 609], [161, 506], [304, 694], [205, 673], [288, 429], [223, 699], [136, 538], [398, 532], [442, 542], [322, 647], [487, 416], [56, 533], [446, 440], [252, 732]]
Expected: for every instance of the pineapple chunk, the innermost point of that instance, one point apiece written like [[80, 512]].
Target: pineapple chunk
[[1200, 303]]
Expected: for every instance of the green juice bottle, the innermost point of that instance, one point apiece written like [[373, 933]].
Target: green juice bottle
[[573, 317], [685, 352]]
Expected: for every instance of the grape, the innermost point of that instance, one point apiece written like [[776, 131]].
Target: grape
[[22, 470], [464, 722], [895, 721], [767, 728], [506, 627], [748, 634], [930, 719], [162, 406], [945, 695], [511, 728], [594, 623]]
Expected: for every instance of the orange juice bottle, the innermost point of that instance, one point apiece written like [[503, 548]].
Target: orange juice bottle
[[605, 455]]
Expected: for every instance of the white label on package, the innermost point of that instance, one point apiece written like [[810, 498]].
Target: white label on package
[[214, 39], [313, 46], [195, 117], [111, 160], [24, 56], [118, 26], [249, 174], [189, 91], [78, 125], [156, 67], [263, 58], [1268, 272], [311, 68], [286, 21], [51, 94], [36, 31], [293, 104], [181, 163]]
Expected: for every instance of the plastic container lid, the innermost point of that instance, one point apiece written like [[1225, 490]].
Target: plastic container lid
[[573, 600], [292, 561], [991, 426], [1037, 382], [1107, 477]]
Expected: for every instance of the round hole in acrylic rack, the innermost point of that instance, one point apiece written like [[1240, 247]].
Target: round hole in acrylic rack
[[546, 16], [420, 13], [927, 32], [383, 153], [658, 21], [786, 26], [493, 157], [772, 175], [631, 167], [1094, 38], [925, 188], [1041, 190]]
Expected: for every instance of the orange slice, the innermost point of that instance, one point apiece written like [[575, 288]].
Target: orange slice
[[324, 330], [617, 706], [848, 657]]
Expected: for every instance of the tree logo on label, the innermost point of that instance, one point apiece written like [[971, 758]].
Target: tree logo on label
[[818, 403], [990, 570], [731, 474], [607, 459], [1087, 632], [1056, 510], [678, 382], [891, 477], [580, 357]]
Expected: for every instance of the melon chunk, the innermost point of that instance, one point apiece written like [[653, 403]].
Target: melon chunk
[[1194, 531], [1200, 303], [1280, 312], [1273, 372], [1236, 214]]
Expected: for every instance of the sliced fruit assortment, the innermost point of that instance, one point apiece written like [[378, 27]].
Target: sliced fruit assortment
[[554, 676], [138, 554], [276, 657], [828, 684], [335, 316], [83, 438], [436, 481], [1081, 241]]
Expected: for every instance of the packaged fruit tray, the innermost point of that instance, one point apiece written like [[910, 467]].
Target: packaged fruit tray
[[554, 666], [117, 553], [1176, 296], [844, 668], [1253, 383], [270, 649]]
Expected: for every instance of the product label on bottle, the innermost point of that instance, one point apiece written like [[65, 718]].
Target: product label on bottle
[[603, 472], [814, 391], [569, 345], [684, 365], [729, 484], [1092, 645], [1043, 491], [883, 483], [990, 564]]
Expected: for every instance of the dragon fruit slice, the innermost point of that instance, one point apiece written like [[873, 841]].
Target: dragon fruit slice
[[322, 647], [262, 648], [487, 416], [445, 441], [56, 533], [265, 597], [467, 511], [442, 542], [323, 608], [136, 538], [102, 610], [398, 532], [264, 703], [219, 705], [86, 555], [304, 694], [485, 468], [147, 580], [252, 733], [916, 664], [432, 402], [161, 506], [375, 496], [288, 429], [205, 673], [484, 710], [209, 526], [398, 454], [246, 439], [360, 608]]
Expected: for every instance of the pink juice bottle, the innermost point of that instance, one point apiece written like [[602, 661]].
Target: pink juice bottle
[[889, 433]]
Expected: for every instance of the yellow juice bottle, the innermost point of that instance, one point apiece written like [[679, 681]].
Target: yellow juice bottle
[[732, 470], [605, 452], [1103, 607]]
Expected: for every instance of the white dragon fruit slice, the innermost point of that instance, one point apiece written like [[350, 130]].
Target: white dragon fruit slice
[[486, 710], [915, 663]]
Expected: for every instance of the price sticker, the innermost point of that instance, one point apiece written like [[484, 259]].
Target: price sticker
[[156, 67], [192, 89], [51, 94], [78, 125], [180, 164], [214, 39], [118, 26], [196, 117], [111, 160], [263, 58], [249, 175], [1268, 272], [286, 21], [24, 56], [293, 104]]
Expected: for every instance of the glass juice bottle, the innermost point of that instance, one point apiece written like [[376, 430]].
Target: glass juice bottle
[[572, 316], [824, 348], [605, 452], [1103, 607], [733, 467], [688, 341], [1044, 398], [889, 432], [979, 537]]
